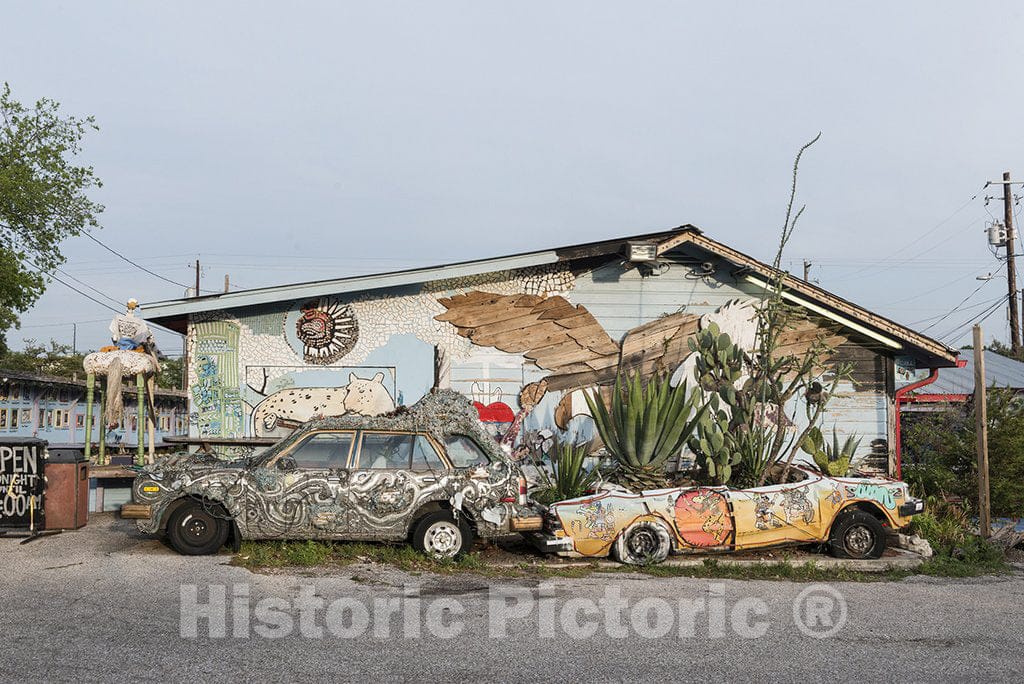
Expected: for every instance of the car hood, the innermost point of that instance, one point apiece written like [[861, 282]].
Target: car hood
[[191, 463]]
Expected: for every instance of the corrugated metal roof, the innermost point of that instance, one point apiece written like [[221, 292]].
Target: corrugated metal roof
[[1000, 371]]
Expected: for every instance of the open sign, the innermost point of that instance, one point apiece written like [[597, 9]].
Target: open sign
[[22, 483]]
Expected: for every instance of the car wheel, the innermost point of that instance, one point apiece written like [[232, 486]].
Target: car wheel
[[440, 535], [643, 543], [856, 534], [197, 530]]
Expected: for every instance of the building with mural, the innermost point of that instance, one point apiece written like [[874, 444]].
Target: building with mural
[[524, 336], [53, 408]]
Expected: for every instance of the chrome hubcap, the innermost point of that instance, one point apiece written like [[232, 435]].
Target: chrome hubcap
[[443, 539]]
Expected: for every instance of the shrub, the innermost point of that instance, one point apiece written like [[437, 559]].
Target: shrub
[[940, 453]]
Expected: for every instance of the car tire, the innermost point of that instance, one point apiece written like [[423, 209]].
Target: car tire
[[441, 535], [643, 543], [856, 534], [195, 529]]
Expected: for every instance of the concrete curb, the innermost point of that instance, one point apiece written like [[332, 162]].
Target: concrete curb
[[903, 560]]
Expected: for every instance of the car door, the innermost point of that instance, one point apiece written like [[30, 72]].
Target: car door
[[775, 514], [302, 493], [393, 474]]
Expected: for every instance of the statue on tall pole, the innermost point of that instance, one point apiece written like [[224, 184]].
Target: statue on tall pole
[[132, 351]]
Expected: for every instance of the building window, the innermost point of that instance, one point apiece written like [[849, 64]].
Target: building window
[[3, 419], [79, 420], [25, 416], [60, 419]]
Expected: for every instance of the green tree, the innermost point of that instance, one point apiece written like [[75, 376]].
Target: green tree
[[55, 359], [170, 374], [42, 198], [1003, 350], [940, 457]]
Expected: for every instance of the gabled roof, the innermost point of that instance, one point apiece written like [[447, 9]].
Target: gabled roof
[[173, 313], [170, 313]]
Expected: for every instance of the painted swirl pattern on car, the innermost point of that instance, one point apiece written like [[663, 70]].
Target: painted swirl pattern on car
[[266, 502]]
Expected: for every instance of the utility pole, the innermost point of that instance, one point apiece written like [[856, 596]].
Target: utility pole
[[981, 427], [227, 282], [807, 269], [1011, 271], [74, 338], [197, 278]]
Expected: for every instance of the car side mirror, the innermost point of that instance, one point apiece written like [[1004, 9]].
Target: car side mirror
[[286, 463]]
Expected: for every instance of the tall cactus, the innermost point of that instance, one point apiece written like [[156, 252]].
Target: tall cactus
[[712, 443], [644, 426], [732, 441]]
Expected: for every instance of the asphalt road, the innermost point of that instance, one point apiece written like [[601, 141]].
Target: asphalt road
[[106, 603]]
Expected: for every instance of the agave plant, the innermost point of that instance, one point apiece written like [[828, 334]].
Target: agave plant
[[644, 426], [832, 459], [569, 479]]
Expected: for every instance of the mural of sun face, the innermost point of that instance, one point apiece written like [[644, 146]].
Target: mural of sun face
[[326, 330]]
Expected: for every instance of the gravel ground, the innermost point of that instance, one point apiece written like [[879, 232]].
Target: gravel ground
[[105, 603]]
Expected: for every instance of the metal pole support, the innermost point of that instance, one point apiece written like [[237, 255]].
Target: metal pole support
[[102, 458], [140, 421], [90, 380]]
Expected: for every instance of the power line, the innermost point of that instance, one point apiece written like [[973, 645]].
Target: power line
[[947, 284], [888, 263], [977, 318], [987, 302], [957, 307], [61, 325], [71, 287], [84, 284], [885, 261], [138, 266]]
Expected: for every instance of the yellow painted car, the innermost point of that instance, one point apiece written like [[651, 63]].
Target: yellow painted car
[[852, 515]]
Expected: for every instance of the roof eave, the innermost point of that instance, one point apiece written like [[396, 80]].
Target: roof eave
[[940, 356]]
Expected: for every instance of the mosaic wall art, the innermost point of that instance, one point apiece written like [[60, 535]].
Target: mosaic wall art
[[322, 330]]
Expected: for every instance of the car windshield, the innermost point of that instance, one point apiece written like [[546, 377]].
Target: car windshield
[[464, 452]]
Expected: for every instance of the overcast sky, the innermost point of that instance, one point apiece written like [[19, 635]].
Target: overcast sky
[[282, 142]]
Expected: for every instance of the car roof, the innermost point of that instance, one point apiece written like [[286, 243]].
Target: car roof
[[440, 413]]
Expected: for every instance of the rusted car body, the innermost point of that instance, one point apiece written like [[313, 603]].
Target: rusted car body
[[852, 515], [429, 473]]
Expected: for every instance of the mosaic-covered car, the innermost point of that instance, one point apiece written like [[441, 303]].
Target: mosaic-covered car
[[428, 474], [853, 516]]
